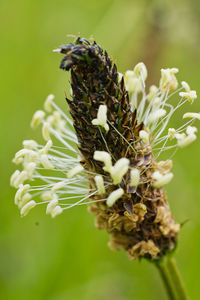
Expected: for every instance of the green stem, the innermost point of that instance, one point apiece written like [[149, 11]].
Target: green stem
[[176, 278], [166, 280]]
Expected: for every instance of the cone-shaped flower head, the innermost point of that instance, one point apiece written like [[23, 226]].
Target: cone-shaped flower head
[[112, 160]]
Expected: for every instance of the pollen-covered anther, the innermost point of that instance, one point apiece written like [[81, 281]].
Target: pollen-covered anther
[[46, 131], [56, 211], [144, 136], [29, 154], [134, 177], [119, 170], [191, 115], [104, 157], [37, 118], [20, 192], [48, 103], [186, 86], [52, 204], [46, 162], [168, 79], [140, 70], [30, 144], [13, 177], [22, 176], [99, 184], [153, 90], [190, 96], [57, 186], [171, 133], [161, 179], [27, 207], [156, 115], [114, 196], [46, 148], [24, 199], [184, 140], [133, 84], [73, 172], [101, 119], [30, 168]]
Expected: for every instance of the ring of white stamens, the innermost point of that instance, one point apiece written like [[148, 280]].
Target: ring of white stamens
[[114, 196], [101, 119]]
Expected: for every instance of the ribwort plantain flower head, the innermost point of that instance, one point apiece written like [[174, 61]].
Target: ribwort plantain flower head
[[108, 154]]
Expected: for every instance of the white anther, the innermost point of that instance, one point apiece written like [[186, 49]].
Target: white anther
[[156, 101], [25, 198], [30, 144], [73, 172], [168, 79], [56, 50], [20, 179], [191, 130], [57, 186], [46, 131], [190, 96], [155, 116], [99, 184], [191, 115], [186, 86], [171, 133], [46, 148], [133, 84], [144, 136], [46, 196], [37, 118], [135, 177], [56, 211], [22, 190], [13, 177], [152, 92], [104, 157], [27, 207], [52, 204], [101, 119], [160, 179], [140, 70], [45, 162], [48, 103], [29, 154], [119, 170], [183, 140], [114, 196], [30, 168]]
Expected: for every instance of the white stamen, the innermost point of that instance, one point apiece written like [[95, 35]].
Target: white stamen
[[119, 170], [56, 211], [23, 176], [100, 184], [140, 69], [101, 119], [30, 168], [184, 140], [58, 186], [190, 96], [27, 207], [13, 177], [168, 79], [191, 130], [114, 196], [191, 115], [37, 118], [160, 179], [52, 204], [22, 190], [171, 133], [25, 198], [46, 148], [46, 196], [46, 131], [76, 170], [104, 157], [45, 162], [48, 103], [155, 116], [152, 92], [144, 136], [135, 177], [186, 86], [30, 144]]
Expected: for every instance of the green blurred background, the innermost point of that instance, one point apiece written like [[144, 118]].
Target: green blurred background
[[66, 257]]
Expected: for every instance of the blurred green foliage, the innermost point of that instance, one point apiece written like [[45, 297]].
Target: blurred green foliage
[[67, 258]]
